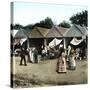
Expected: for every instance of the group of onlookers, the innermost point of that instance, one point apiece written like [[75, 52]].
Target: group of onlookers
[[66, 58]]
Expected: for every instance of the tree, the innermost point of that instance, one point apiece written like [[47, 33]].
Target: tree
[[17, 26], [80, 18], [65, 24], [28, 27], [47, 23]]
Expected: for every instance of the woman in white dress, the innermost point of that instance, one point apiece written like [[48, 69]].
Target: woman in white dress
[[31, 54], [72, 62]]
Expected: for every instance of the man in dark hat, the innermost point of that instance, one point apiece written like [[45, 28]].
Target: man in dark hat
[[23, 56]]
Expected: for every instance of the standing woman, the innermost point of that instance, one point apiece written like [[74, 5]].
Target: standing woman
[[72, 62], [61, 62]]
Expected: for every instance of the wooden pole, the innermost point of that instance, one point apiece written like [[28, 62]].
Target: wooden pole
[[45, 42], [64, 42], [27, 43]]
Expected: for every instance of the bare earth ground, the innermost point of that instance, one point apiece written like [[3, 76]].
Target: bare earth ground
[[44, 74]]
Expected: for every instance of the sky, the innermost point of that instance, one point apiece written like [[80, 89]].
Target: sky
[[26, 13]]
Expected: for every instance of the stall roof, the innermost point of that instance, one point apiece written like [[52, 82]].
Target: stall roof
[[20, 34], [43, 31], [62, 30], [38, 32], [76, 31], [54, 32], [83, 29]]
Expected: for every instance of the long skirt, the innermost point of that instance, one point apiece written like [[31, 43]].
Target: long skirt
[[72, 63], [61, 65]]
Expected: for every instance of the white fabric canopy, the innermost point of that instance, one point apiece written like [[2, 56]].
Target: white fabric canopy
[[13, 32], [75, 41], [55, 42], [22, 40]]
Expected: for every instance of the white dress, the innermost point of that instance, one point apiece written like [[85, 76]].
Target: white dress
[[31, 55], [72, 63]]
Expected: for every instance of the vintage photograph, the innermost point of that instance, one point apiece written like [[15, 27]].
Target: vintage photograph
[[49, 44]]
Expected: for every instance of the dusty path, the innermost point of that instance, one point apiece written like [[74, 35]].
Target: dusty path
[[44, 73]]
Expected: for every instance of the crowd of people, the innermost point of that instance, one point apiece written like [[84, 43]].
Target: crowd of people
[[68, 59], [65, 59]]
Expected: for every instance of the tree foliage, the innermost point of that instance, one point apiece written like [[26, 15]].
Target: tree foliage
[[30, 26], [47, 23], [80, 18], [17, 26], [64, 24]]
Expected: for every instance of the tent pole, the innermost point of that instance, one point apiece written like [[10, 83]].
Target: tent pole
[[64, 42], [45, 42], [27, 43]]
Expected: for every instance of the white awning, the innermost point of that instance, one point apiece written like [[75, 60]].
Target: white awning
[[13, 32], [55, 42], [75, 41], [22, 40]]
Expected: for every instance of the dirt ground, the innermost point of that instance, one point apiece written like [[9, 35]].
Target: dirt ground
[[44, 74]]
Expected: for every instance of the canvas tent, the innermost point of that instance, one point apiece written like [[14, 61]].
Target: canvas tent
[[75, 31], [45, 34], [23, 36]]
